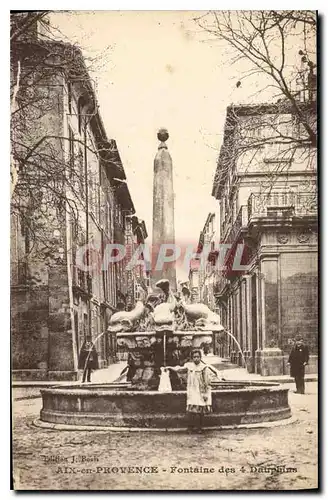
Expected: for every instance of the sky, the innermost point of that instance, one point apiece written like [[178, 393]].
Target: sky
[[159, 70]]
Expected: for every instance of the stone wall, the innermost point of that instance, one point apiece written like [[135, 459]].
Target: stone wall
[[281, 303], [299, 299], [41, 330], [61, 348], [29, 328]]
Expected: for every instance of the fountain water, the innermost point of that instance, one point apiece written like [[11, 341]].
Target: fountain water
[[238, 345]]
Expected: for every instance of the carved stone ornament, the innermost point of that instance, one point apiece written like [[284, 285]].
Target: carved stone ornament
[[303, 237], [162, 135], [282, 238]]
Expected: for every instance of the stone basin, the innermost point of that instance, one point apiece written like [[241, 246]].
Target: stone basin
[[117, 405]]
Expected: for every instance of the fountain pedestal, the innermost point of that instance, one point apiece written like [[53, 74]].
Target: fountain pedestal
[[149, 351]]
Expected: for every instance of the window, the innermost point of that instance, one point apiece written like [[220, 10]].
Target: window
[[109, 220], [69, 97], [91, 193], [284, 124], [252, 130], [136, 291], [105, 284], [297, 128], [234, 208], [80, 170], [112, 284], [80, 115], [71, 153]]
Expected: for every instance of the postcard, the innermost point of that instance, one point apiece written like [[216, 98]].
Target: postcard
[[164, 250]]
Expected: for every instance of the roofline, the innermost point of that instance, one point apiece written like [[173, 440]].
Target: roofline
[[236, 110], [267, 107], [210, 216], [114, 159], [123, 195]]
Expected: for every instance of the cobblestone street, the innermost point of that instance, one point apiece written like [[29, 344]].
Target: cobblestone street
[[235, 457]]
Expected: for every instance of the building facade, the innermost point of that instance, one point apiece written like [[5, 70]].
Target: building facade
[[73, 196], [203, 275], [265, 183], [141, 273]]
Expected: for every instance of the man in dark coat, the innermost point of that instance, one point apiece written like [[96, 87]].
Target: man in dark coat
[[88, 359], [298, 359]]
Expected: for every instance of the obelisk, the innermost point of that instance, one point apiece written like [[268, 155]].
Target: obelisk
[[163, 210]]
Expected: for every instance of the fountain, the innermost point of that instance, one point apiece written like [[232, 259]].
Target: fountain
[[161, 330], [160, 335]]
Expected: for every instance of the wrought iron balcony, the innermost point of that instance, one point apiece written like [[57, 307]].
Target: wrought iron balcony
[[82, 281], [119, 234], [282, 204], [219, 284], [276, 205], [231, 232]]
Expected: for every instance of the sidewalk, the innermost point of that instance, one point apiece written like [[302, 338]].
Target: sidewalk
[[242, 374], [233, 372], [109, 374], [31, 389], [26, 389]]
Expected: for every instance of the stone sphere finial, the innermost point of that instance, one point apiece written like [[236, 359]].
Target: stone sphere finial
[[162, 135]]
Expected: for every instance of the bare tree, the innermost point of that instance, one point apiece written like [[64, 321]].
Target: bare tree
[[279, 48], [264, 39], [48, 174]]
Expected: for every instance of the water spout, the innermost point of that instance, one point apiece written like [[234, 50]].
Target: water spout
[[238, 345]]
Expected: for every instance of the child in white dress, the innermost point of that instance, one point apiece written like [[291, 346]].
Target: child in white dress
[[199, 397]]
